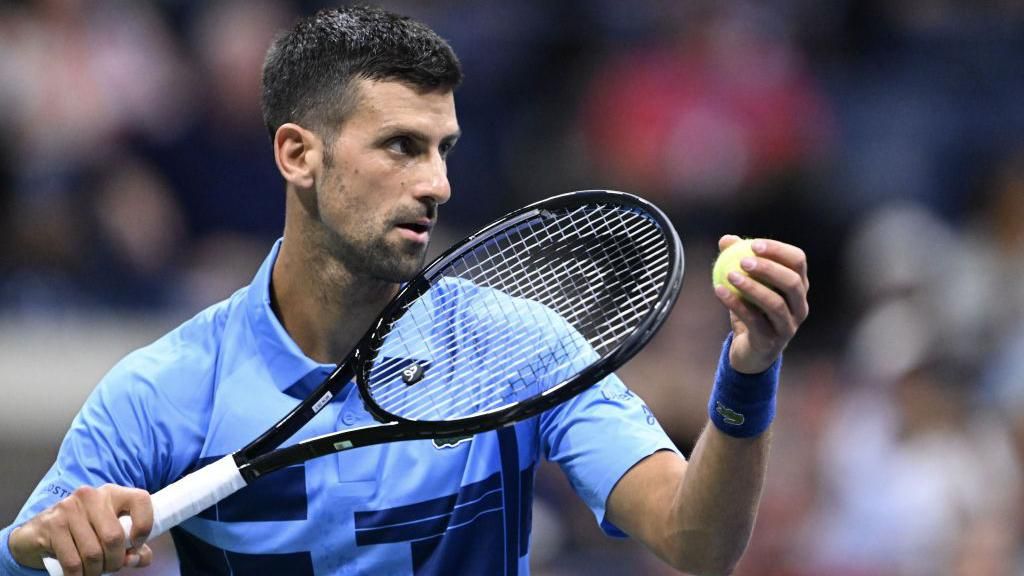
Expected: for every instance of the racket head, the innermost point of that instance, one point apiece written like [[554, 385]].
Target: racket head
[[602, 254]]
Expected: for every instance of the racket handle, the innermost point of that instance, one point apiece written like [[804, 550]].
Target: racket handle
[[182, 500]]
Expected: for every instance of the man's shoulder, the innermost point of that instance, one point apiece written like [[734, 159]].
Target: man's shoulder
[[187, 354]]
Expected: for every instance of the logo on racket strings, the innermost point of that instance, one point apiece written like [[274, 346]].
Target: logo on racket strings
[[413, 374]]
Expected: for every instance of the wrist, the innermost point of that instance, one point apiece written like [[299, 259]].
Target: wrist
[[746, 365], [10, 563], [16, 547], [743, 405]]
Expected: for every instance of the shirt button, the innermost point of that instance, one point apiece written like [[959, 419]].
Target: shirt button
[[349, 418]]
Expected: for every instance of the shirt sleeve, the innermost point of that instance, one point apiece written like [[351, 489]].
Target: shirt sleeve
[[597, 437], [118, 437]]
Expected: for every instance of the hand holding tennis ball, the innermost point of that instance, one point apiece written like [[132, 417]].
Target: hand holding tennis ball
[[772, 304], [729, 261]]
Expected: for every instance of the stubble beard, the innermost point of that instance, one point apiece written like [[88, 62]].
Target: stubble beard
[[382, 261], [362, 247]]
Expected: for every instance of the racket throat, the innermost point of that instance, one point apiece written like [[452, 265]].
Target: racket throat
[[300, 415]]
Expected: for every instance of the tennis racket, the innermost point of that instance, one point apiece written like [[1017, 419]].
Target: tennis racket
[[515, 319]]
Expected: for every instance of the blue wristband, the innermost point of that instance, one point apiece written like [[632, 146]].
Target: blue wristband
[[743, 405]]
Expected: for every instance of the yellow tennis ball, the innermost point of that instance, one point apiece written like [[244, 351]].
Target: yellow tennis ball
[[728, 261]]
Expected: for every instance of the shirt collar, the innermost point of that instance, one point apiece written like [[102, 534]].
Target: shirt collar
[[285, 361]]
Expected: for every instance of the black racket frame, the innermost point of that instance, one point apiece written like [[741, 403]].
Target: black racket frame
[[259, 457]]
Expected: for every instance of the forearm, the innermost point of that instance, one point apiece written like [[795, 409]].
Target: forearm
[[717, 499], [698, 515], [716, 503]]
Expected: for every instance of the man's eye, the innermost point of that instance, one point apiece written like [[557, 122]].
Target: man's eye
[[446, 149], [401, 146]]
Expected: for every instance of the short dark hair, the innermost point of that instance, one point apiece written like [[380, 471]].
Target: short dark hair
[[309, 70]]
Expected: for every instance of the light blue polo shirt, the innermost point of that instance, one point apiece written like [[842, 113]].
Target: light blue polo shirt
[[406, 508]]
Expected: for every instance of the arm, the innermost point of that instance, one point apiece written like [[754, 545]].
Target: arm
[[698, 516], [711, 507], [117, 445], [83, 533], [73, 513]]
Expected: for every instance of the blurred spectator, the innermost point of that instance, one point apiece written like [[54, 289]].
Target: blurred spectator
[[719, 105], [45, 240], [718, 119], [221, 163], [140, 233], [914, 480], [81, 72], [918, 473], [79, 79], [929, 92]]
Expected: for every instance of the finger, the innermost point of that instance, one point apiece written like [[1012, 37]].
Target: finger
[[788, 255], [90, 551], [103, 516], [138, 504], [770, 303], [752, 318], [139, 557], [727, 240], [781, 279], [63, 548]]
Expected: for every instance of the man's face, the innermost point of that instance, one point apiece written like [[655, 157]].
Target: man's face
[[385, 177]]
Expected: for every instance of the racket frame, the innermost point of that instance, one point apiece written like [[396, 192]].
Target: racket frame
[[255, 461]]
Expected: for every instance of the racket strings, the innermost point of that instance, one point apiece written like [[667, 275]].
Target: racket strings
[[653, 237], [612, 327], [504, 373], [552, 299], [500, 303], [535, 305]]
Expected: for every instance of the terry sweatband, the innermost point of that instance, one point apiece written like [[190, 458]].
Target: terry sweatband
[[743, 405]]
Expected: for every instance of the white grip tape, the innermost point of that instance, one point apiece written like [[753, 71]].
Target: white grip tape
[[194, 493], [182, 500]]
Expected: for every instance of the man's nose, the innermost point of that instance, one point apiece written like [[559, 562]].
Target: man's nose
[[435, 185]]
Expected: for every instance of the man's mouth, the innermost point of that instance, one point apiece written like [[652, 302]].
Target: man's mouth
[[418, 231], [415, 227]]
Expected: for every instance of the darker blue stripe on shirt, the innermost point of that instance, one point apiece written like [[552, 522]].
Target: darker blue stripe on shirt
[[403, 514], [526, 509], [275, 497], [475, 549], [427, 508], [197, 557], [430, 527], [466, 513], [508, 444]]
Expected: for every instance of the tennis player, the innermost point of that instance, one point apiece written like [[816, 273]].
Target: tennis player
[[360, 108]]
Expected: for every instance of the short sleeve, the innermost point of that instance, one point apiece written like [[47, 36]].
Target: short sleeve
[[597, 437], [130, 431]]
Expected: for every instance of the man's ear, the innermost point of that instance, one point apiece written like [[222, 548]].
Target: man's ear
[[299, 154]]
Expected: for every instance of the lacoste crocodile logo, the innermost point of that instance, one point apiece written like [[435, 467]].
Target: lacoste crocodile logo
[[451, 442], [730, 416]]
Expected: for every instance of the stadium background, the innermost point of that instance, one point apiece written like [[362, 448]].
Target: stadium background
[[885, 138]]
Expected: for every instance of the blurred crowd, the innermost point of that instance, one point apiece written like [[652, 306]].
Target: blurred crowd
[[884, 138]]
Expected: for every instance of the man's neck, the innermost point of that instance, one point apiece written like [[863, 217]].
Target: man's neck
[[323, 306]]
